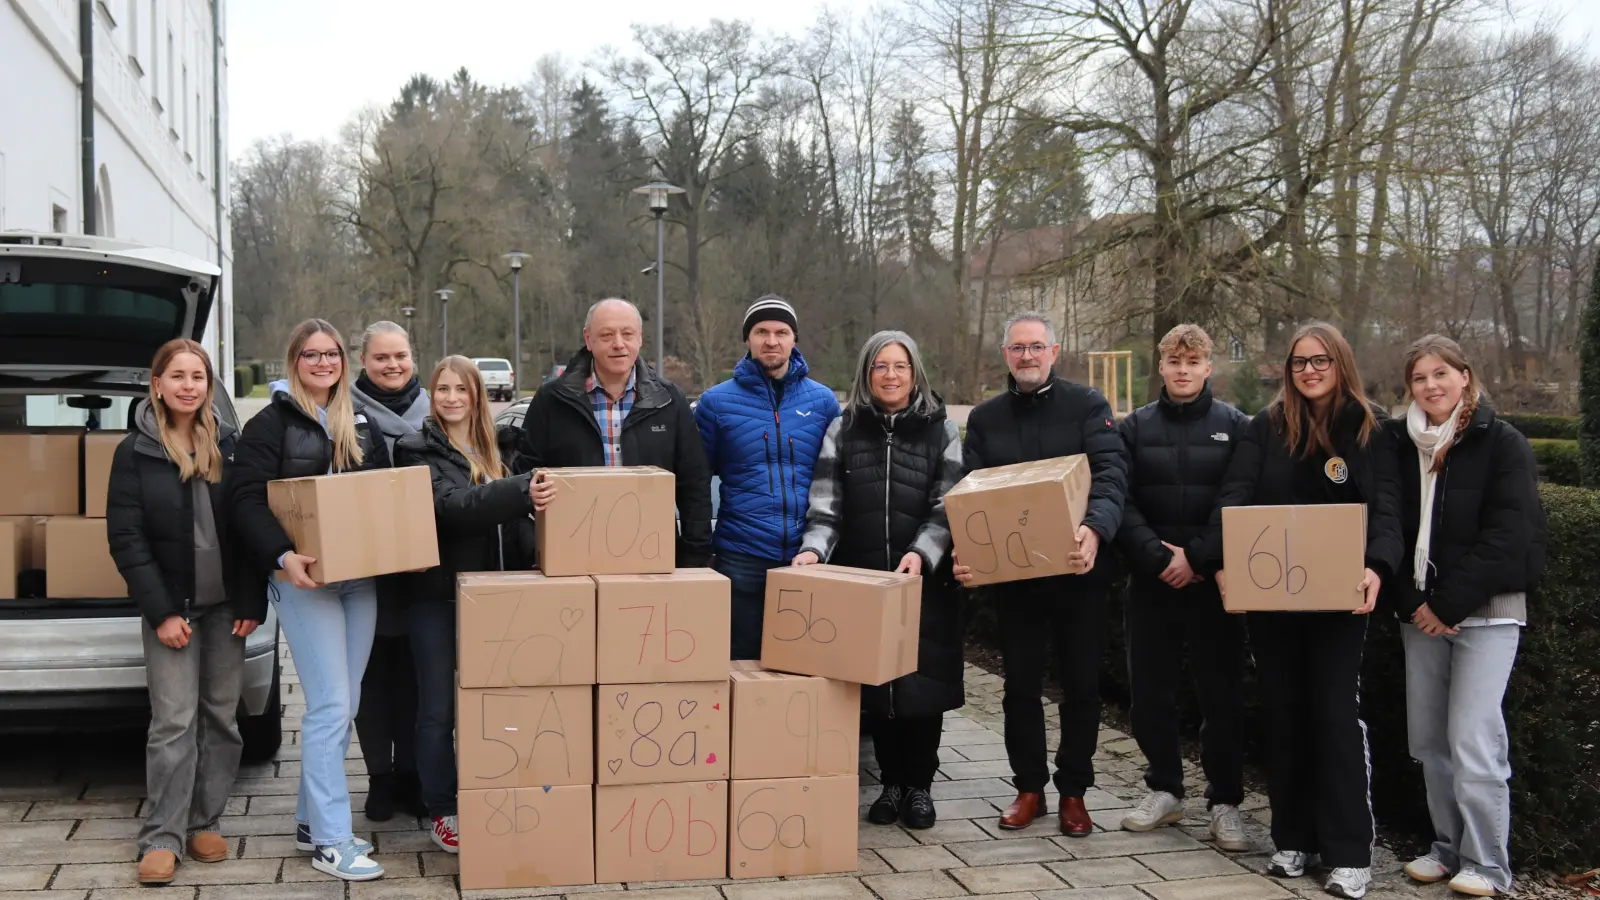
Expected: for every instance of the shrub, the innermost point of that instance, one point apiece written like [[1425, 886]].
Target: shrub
[[258, 373], [1559, 461], [243, 381], [1544, 426]]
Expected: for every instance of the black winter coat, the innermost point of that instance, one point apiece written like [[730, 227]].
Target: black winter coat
[[1489, 530], [482, 527], [150, 526], [1263, 472], [281, 441], [1179, 454], [560, 431], [877, 493]]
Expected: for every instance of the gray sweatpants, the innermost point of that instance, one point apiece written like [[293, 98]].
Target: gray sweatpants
[[1454, 688], [192, 754]]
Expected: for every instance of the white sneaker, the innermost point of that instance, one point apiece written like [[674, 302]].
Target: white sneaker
[[1349, 883], [346, 861], [444, 834], [1227, 828], [1469, 882], [1155, 810], [1290, 863], [1427, 870]]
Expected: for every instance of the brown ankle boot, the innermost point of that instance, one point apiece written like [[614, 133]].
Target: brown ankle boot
[[158, 867], [207, 847], [1022, 811], [1075, 821]]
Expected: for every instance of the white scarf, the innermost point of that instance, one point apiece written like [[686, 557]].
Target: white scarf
[[1430, 442]]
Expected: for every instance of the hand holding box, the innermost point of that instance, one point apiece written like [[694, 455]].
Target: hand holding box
[[1011, 523], [859, 625], [1294, 558]]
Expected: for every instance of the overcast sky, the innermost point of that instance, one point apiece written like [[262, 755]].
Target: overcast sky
[[303, 67]]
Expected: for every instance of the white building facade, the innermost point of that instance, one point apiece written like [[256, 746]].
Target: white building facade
[[160, 126]]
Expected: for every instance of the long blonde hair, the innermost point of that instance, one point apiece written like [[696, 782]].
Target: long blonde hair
[[483, 457], [341, 415], [1307, 429], [1450, 353], [207, 459]]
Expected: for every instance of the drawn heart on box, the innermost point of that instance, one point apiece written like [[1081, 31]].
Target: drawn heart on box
[[803, 789], [614, 765], [716, 706], [547, 789], [712, 785], [711, 759], [622, 700], [570, 617], [686, 708], [621, 732], [1023, 520]]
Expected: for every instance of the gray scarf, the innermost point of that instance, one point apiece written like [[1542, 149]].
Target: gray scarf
[[392, 426]]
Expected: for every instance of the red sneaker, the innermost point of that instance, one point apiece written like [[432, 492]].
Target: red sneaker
[[444, 834]]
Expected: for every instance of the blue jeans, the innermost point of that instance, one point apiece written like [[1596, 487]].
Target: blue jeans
[[433, 649], [330, 636], [749, 576]]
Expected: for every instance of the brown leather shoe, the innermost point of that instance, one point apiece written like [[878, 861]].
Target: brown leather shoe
[[207, 847], [1022, 811], [158, 867], [1075, 821]]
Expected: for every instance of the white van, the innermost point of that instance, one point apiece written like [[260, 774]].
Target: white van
[[80, 320]]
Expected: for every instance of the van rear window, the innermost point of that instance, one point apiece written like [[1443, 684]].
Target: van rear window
[[60, 311]]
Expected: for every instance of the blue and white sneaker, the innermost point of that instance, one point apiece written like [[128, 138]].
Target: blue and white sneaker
[[347, 861], [302, 840]]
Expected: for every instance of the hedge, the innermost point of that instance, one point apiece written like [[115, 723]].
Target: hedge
[[1558, 461], [1543, 425], [1552, 705], [243, 382]]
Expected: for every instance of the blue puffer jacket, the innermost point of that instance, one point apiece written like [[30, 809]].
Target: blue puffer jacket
[[764, 456]]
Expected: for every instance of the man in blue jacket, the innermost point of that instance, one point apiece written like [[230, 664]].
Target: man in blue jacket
[[763, 430]]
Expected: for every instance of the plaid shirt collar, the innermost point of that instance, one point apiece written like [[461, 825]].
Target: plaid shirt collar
[[609, 414]]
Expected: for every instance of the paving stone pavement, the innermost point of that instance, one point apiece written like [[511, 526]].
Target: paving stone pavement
[[67, 830]]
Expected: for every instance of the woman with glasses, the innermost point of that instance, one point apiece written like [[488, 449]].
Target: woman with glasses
[[877, 502], [1319, 442], [311, 429]]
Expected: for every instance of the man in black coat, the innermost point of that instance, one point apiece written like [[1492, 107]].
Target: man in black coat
[[1179, 448], [609, 409], [1041, 416]]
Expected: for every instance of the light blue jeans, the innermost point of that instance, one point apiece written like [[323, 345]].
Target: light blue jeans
[[1454, 687], [330, 633]]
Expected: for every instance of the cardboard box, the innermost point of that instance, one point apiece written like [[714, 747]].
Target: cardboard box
[[663, 627], [857, 625], [98, 448], [660, 733], [526, 837], [661, 832], [30, 531], [617, 520], [359, 524], [523, 629], [39, 471], [793, 726], [1296, 558], [1011, 523], [78, 560], [524, 737], [12, 556], [793, 826]]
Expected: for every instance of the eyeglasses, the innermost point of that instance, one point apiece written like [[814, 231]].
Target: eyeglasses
[[312, 357], [886, 368], [1319, 363], [1020, 349]]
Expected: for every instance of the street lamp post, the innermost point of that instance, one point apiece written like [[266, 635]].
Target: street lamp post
[[657, 194], [516, 257], [444, 312], [408, 312]]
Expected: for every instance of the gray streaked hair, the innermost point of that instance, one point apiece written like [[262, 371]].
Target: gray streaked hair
[[1029, 316], [588, 317], [383, 326], [922, 400]]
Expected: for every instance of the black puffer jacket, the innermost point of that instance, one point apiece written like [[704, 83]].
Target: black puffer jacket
[[559, 431], [482, 527], [1059, 419], [1179, 453], [1489, 529], [150, 526], [1263, 472], [281, 441], [878, 493]]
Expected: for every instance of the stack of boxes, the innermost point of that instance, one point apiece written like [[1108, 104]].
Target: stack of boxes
[[52, 514]]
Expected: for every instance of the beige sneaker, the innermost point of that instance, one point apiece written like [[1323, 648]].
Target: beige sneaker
[[1227, 829], [1158, 809], [1427, 870]]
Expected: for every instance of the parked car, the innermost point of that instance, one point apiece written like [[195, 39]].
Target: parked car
[[80, 320], [499, 379]]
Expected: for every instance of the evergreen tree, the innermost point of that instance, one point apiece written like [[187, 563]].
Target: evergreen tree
[[1589, 385], [906, 197]]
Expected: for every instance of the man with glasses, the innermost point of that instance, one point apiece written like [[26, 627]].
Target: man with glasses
[[1041, 416], [762, 431]]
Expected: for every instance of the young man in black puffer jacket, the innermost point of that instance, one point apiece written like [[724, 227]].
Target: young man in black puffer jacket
[[1180, 447]]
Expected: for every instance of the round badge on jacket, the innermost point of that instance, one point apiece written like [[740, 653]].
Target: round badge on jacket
[[1336, 470]]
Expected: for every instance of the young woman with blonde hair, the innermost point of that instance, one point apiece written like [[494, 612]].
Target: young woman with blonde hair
[[1475, 537], [483, 515], [167, 538], [310, 428]]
